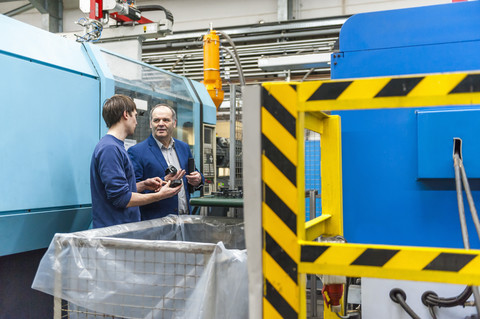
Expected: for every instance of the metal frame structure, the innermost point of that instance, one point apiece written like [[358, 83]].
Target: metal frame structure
[[182, 52], [283, 249]]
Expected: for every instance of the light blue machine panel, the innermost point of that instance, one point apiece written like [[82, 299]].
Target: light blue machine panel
[[49, 129], [53, 91], [398, 174]]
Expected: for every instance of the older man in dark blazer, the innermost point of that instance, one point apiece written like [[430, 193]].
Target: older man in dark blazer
[[160, 150]]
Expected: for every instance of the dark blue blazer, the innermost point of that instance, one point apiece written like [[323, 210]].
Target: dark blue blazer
[[148, 161]]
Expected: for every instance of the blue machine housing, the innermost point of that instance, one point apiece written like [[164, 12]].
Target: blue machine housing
[[398, 176], [52, 94]]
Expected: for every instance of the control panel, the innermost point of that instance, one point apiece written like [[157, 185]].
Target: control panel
[[209, 156]]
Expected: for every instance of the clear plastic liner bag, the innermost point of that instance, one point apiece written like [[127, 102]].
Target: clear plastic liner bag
[[147, 270]]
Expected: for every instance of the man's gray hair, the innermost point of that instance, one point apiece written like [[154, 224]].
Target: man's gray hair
[[174, 114]]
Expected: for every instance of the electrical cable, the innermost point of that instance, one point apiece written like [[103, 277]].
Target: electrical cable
[[235, 56], [345, 297], [398, 296], [474, 214], [180, 59], [430, 298], [92, 36], [342, 317], [468, 192], [156, 7], [237, 64], [432, 312], [461, 208], [307, 74]]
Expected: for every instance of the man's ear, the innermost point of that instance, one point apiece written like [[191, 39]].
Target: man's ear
[[125, 115]]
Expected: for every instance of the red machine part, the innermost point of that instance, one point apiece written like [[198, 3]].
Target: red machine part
[[96, 13], [122, 18], [332, 294], [96, 9]]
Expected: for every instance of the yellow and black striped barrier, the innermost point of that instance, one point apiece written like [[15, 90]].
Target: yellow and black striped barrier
[[390, 92], [280, 248], [286, 110], [397, 262]]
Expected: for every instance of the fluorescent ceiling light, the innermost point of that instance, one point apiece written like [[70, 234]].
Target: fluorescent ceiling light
[[295, 62]]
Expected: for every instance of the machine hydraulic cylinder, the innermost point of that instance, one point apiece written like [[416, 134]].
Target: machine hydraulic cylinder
[[211, 67]]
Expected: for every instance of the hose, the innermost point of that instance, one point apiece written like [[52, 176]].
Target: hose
[[307, 74], [237, 64], [95, 32], [432, 312], [471, 204], [235, 56], [156, 7], [430, 298], [461, 208], [398, 296], [458, 164], [180, 59]]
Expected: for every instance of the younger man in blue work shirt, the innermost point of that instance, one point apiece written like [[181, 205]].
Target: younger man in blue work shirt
[[152, 157], [115, 193]]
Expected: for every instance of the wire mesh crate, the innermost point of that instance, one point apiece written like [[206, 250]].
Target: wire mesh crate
[[172, 267]]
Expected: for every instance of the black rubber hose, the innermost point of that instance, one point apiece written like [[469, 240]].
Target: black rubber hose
[[156, 7], [398, 296], [432, 312], [430, 298]]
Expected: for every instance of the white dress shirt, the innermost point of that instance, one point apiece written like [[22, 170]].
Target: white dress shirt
[[171, 158]]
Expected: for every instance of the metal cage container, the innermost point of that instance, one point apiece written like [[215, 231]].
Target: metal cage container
[[173, 267]]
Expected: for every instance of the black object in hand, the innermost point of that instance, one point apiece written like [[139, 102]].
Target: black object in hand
[[171, 170], [191, 168], [175, 182]]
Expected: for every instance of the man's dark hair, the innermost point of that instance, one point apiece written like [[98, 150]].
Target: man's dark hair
[[114, 107]]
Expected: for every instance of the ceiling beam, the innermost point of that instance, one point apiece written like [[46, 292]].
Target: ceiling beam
[[52, 14], [19, 10]]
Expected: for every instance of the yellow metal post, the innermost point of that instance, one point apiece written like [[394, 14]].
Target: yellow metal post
[[289, 251]]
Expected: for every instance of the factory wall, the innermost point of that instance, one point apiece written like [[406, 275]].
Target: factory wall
[[229, 13]]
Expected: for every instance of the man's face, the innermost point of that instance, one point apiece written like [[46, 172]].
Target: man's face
[[162, 124]]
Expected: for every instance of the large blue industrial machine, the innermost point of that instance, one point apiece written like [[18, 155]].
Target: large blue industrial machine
[[52, 90], [406, 170], [398, 173]]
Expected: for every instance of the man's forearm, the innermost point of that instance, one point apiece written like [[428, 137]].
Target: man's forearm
[[140, 186], [139, 199]]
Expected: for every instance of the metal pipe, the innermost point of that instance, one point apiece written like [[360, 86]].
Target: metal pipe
[[272, 27], [323, 44], [57, 285], [233, 144], [232, 164], [476, 297], [307, 74], [180, 59], [313, 278], [148, 46], [19, 10]]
